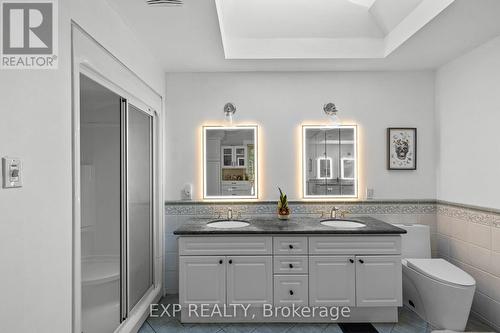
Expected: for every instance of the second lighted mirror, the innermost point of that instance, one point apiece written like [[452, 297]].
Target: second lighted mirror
[[329, 161], [230, 162]]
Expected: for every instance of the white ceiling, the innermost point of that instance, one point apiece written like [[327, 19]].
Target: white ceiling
[[321, 29], [389, 19], [188, 38], [298, 19]]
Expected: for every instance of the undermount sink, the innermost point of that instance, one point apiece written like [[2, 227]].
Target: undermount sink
[[227, 224], [342, 224]]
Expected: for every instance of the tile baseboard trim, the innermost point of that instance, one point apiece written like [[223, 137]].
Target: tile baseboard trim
[[469, 207], [474, 215]]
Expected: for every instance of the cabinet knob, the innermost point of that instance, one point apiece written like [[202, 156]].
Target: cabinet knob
[[230, 261], [291, 265], [351, 261], [361, 261], [290, 246], [220, 261], [291, 292]]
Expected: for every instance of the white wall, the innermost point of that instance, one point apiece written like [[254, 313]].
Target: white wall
[[468, 118], [36, 220], [281, 102]]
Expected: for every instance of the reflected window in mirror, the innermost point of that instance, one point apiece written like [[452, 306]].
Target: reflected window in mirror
[[334, 148], [230, 162]]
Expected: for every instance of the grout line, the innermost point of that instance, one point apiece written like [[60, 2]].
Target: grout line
[[483, 320], [146, 321]]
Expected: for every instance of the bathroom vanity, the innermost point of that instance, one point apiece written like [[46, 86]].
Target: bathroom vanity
[[299, 262]]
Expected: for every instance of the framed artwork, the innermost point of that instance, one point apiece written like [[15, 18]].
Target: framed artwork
[[401, 148]]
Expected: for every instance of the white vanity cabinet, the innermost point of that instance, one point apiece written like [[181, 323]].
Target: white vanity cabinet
[[362, 272], [332, 281], [362, 281], [249, 280], [225, 280], [225, 270], [202, 280], [378, 281]]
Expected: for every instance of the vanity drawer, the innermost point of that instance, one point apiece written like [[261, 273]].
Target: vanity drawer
[[291, 289], [289, 245], [291, 265], [353, 245], [224, 245]]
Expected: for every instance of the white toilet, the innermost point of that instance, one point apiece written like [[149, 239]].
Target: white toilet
[[439, 292]]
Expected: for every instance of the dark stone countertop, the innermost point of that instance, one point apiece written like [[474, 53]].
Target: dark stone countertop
[[295, 225]]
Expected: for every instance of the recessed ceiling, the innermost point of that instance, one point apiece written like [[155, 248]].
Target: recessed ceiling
[[189, 38], [321, 29]]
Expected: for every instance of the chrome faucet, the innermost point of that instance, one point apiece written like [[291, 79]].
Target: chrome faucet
[[333, 212], [230, 214]]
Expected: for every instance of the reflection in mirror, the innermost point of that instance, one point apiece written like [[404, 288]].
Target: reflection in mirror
[[329, 161], [230, 162]]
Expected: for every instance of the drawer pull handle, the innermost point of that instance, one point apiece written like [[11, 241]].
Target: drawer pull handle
[[230, 261], [361, 261], [290, 246], [291, 292], [291, 265], [351, 261], [220, 261]]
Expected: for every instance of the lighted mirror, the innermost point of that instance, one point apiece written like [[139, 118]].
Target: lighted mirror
[[230, 162], [329, 161]]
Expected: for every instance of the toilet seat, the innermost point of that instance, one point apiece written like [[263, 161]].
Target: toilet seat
[[441, 270]]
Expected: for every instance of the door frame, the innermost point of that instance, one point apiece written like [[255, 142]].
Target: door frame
[[81, 65]]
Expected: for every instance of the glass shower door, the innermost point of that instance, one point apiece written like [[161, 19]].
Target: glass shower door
[[101, 187], [116, 190], [140, 204]]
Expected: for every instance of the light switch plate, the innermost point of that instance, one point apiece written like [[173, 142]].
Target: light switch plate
[[369, 193], [11, 172]]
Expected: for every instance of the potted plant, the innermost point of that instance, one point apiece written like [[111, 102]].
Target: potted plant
[[283, 209]]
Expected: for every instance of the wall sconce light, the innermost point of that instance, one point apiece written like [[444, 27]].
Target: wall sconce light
[[331, 110], [229, 111]]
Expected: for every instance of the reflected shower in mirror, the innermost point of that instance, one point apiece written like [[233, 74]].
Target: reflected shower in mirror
[[230, 162], [329, 161]]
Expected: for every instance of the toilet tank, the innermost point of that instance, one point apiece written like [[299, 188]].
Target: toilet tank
[[416, 243]]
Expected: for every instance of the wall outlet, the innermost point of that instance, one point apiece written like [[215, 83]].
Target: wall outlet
[[11, 172], [369, 193]]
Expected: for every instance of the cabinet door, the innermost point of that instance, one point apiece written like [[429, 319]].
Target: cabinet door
[[249, 280], [332, 281], [378, 281], [240, 156], [227, 156], [202, 280]]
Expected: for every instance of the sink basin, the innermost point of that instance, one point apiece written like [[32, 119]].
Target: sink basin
[[342, 224], [227, 224]]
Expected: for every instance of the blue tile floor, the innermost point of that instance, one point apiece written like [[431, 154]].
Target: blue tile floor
[[408, 323]]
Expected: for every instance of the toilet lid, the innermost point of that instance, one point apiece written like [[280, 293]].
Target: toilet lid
[[441, 270]]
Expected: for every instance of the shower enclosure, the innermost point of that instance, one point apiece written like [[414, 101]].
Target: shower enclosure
[[116, 205]]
